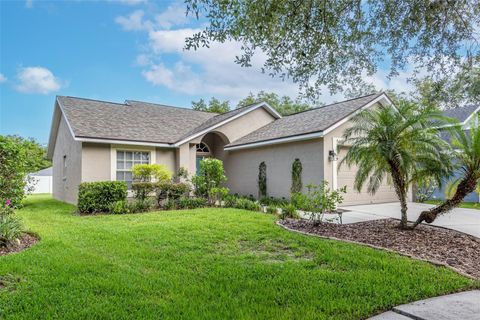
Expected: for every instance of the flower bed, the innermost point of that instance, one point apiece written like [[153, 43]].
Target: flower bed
[[438, 245]]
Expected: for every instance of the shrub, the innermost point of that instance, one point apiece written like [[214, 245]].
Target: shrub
[[11, 228], [289, 211], [218, 194], [210, 176], [300, 201], [170, 204], [99, 196], [147, 172], [139, 205], [171, 190], [119, 207], [141, 190], [230, 201], [262, 179], [191, 203], [296, 176], [272, 209], [271, 201], [246, 204], [6, 208]]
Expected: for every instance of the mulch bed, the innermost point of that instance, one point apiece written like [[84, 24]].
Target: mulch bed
[[25, 242], [438, 245]]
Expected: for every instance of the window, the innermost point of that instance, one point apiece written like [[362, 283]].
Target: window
[[202, 148], [64, 168], [126, 160]]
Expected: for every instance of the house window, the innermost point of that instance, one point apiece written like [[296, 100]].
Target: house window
[[202, 148], [126, 160], [64, 168]]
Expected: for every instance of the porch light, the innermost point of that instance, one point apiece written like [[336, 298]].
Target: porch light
[[332, 155]]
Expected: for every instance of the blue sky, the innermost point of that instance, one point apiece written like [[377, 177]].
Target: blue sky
[[113, 50]]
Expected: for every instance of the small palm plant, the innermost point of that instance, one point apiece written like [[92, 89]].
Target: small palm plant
[[400, 144], [466, 144]]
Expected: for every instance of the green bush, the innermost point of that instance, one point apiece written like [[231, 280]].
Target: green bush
[[191, 203], [272, 209], [246, 204], [289, 211], [210, 176], [300, 201], [139, 205], [141, 190], [96, 197], [147, 172], [11, 228], [119, 207], [171, 190], [230, 201]]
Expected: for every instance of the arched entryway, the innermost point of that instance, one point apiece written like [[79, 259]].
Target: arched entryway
[[211, 145]]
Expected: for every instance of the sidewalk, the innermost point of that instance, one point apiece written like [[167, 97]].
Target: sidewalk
[[463, 305]]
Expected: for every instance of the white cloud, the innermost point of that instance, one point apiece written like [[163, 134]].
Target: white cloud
[[213, 71], [29, 4], [37, 80], [2, 78], [133, 22], [174, 15]]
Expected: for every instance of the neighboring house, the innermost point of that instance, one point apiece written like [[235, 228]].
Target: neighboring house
[[94, 140], [467, 116], [41, 181]]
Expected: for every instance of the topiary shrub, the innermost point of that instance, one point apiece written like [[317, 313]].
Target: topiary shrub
[[94, 197], [262, 180], [296, 176]]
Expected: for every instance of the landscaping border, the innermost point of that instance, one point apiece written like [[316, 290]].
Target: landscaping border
[[434, 262]]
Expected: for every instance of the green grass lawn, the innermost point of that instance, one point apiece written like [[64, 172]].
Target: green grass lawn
[[204, 263], [468, 205]]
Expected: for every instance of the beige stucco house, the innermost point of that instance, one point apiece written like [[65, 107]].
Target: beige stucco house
[[93, 140]]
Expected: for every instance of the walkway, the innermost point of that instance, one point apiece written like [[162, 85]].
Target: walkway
[[460, 219], [463, 305]]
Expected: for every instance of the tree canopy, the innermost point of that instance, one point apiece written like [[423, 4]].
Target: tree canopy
[[284, 104], [214, 105], [335, 43]]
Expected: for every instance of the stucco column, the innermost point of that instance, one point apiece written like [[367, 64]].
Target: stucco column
[[186, 157]]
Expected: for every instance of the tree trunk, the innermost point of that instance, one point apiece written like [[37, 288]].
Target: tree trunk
[[466, 186], [399, 185]]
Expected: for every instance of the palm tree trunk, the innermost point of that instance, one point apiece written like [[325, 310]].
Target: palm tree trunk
[[399, 185], [466, 186]]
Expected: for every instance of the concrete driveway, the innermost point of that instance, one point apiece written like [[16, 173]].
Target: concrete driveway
[[464, 220]]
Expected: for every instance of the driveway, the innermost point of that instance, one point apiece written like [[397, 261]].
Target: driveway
[[464, 220]]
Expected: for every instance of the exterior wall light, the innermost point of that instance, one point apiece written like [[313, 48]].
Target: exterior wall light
[[332, 155]]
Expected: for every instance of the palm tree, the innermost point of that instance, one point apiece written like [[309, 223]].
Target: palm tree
[[467, 159], [398, 143]]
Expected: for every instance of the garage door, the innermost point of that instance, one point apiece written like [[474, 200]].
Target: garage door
[[346, 177]]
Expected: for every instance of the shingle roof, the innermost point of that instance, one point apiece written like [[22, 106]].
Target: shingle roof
[[309, 121], [44, 172], [461, 113], [131, 121]]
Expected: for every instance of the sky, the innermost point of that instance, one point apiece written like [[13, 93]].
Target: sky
[[114, 51]]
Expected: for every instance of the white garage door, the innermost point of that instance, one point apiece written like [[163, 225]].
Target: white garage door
[[346, 177]]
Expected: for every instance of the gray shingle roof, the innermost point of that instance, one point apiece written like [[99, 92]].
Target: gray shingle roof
[[309, 121], [44, 172], [131, 121], [461, 113], [216, 120]]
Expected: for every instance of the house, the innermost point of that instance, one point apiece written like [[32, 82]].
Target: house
[[93, 140], [467, 116], [40, 181]]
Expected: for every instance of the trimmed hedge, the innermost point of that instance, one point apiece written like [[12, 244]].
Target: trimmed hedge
[[96, 197]]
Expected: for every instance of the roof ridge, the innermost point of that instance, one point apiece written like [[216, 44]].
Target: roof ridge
[[332, 104], [89, 99], [169, 106]]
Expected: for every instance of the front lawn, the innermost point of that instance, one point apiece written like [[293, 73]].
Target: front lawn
[[203, 263], [468, 205]]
